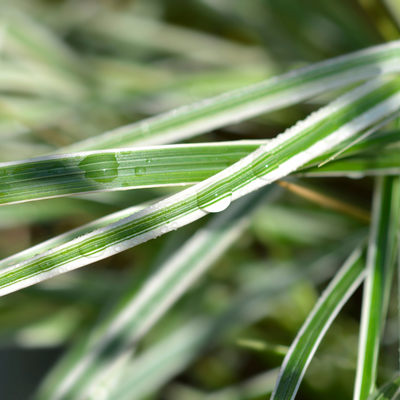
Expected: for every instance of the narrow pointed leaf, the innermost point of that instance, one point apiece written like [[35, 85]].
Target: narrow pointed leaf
[[147, 373], [377, 141], [309, 337], [361, 138], [99, 171], [157, 295], [310, 138], [70, 235], [382, 252], [269, 95], [386, 162], [170, 165]]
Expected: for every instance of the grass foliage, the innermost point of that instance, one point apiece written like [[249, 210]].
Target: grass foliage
[[258, 143]]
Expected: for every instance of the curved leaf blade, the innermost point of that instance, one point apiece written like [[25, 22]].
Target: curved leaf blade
[[382, 250], [319, 320], [324, 129], [385, 162], [156, 296], [241, 104], [99, 171]]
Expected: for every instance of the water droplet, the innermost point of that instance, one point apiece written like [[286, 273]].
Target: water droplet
[[139, 171], [91, 251], [214, 200], [102, 168], [268, 171]]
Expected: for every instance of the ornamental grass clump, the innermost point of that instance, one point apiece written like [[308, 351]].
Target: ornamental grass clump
[[272, 191]]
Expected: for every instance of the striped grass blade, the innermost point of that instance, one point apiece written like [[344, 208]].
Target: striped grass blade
[[382, 253], [308, 139], [168, 165], [98, 171], [70, 235], [309, 337], [377, 141], [156, 296], [384, 162], [290, 88], [146, 374]]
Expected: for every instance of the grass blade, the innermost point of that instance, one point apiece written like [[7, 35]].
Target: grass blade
[[377, 141], [238, 105], [309, 337], [98, 171], [157, 295], [364, 136], [386, 162], [328, 127], [70, 235], [146, 374], [171, 165], [50, 176], [382, 250]]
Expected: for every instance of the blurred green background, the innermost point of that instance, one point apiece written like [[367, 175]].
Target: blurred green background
[[71, 69]]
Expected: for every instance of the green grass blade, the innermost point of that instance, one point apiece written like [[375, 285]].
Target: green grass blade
[[381, 260], [70, 235], [386, 162], [389, 391], [375, 142], [156, 296], [171, 165], [156, 366], [97, 171], [238, 105], [309, 337], [310, 138], [362, 137], [146, 374]]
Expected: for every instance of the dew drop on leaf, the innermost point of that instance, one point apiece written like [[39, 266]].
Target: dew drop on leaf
[[102, 168], [214, 201], [139, 171]]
